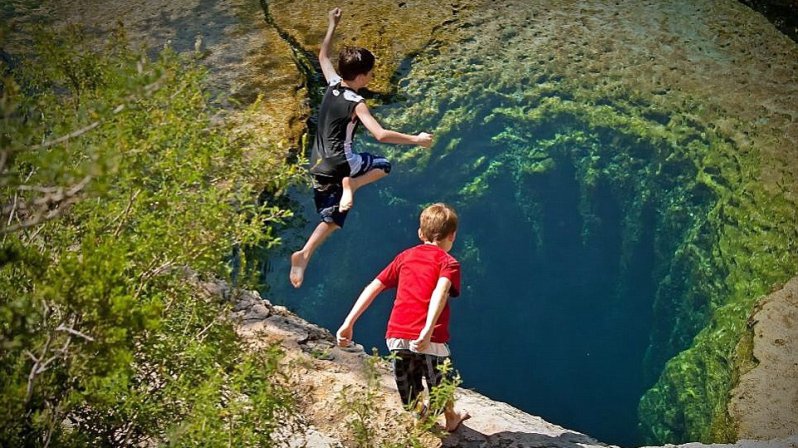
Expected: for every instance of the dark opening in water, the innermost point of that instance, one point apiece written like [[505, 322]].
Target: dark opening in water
[[559, 272], [559, 329]]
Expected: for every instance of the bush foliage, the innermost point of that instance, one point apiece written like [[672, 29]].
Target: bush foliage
[[115, 185]]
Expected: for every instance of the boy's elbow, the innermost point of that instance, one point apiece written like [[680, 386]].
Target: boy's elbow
[[323, 53]]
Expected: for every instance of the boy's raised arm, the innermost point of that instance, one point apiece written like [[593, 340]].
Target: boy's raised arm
[[438, 300], [344, 334], [324, 53]]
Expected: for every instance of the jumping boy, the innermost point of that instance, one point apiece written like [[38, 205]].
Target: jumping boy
[[425, 276], [337, 170]]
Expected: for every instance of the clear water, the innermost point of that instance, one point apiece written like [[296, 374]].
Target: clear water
[[551, 320], [570, 215]]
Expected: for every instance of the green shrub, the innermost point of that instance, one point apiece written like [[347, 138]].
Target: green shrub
[[115, 186]]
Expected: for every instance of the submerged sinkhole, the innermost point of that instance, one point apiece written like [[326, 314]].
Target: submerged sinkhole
[[567, 234]]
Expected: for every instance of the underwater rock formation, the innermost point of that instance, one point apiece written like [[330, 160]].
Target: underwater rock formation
[[672, 130], [782, 13]]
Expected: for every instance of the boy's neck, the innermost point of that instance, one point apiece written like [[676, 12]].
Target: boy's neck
[[445, 245], [352, 84]]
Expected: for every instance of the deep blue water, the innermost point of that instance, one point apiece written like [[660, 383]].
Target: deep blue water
[[550, 320]]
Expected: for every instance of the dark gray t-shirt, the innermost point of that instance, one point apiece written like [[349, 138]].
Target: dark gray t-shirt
[[332, 157]]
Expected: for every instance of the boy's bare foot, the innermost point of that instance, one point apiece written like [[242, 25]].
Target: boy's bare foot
[[298, 264], [454, 419], [347, 200]]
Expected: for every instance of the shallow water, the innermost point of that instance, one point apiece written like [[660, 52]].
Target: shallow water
[[584, 236]]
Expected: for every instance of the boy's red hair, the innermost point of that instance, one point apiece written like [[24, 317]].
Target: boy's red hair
[[437, 222]]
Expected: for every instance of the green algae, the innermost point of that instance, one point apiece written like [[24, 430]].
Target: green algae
[[725, 253], [692, 395]]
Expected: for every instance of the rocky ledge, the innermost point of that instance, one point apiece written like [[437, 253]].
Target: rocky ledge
[[320, 372], [765, 402]]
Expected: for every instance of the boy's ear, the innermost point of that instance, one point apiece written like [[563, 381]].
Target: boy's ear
[[453, 236], [420, 235]]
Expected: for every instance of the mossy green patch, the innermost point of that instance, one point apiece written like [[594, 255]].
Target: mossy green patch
[[735, 237]]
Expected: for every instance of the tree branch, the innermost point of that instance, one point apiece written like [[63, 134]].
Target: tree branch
[[79, 132], [121, 218], [74, 332], [150, 274], [69, 136], [35, 368], [13, 210], [201, 335], [48, 206]]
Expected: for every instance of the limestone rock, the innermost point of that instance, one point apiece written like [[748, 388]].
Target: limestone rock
[[323, 380], [765, 402]]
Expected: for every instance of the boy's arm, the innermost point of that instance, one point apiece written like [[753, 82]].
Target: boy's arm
[[386, 136], [438, 300], [324, 53], [344, 334]]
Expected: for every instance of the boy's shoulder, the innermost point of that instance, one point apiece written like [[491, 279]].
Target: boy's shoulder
[[353, 97], [427, 251], [335, 88]]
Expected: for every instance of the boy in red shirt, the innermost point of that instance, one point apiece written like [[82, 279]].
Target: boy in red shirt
[[418, 329]]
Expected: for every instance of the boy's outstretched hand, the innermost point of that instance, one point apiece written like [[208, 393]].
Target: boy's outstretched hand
[[424, 139], [334, 16], [344, 336]]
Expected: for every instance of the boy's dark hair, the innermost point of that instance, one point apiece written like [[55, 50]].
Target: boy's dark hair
[[353, 61], [437, 222]]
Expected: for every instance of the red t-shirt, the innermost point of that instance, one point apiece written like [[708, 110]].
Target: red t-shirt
[[415, 273]]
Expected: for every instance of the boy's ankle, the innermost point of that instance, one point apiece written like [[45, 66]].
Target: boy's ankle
[[420, 411]]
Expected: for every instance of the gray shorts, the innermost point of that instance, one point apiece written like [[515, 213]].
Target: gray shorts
[[370, 162]]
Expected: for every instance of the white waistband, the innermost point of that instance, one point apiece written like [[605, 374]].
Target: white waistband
[[435, 348]]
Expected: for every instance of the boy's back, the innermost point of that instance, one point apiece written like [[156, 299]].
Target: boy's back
[[415, 273], [332, 157]]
